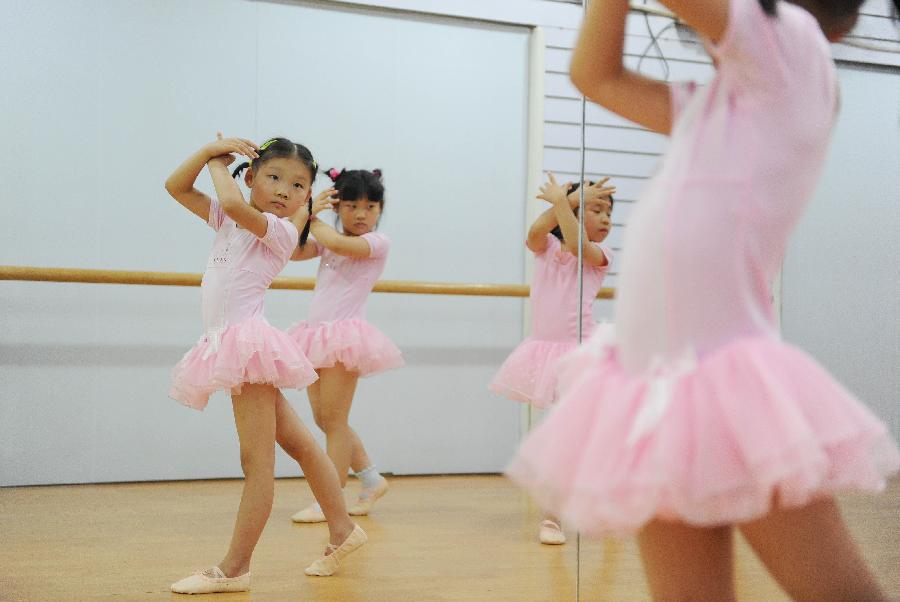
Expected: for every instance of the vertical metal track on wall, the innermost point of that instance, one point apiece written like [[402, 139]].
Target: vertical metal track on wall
[[581, 283]]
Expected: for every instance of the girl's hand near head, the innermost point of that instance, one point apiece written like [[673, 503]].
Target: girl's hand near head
[[229, 146], [180, 185], [553, 192], [568, 223], [329, 238], [598, 191], [327, 199], [230, 197], [223, 160]]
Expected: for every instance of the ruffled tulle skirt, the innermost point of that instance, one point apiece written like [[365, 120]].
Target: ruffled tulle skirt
[[529, 374], [712, 441], [251, 351], [356, 344]]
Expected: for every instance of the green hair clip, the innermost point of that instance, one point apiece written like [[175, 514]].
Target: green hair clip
[[265, 145]]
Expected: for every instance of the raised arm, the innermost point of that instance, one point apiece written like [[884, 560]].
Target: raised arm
[[568, 223], [326, 236], [232, 200], [597, 69], [180, 185], [542, 226], [331, 239]]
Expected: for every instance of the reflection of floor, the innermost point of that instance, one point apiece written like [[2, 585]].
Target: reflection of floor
[[432, 538], [611, 570]]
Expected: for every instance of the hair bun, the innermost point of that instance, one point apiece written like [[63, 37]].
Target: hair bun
[[377, 173]]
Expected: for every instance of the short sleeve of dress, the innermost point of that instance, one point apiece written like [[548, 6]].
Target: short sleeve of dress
[[216, 215], [753, 50], [609, 255], [281, 236], [553, 245], [379, 244]]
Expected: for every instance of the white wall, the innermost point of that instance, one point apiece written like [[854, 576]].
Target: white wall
[[82, 379], [841, 280], [102, 110]]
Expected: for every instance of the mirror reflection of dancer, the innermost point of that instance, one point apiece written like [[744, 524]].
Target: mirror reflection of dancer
[[694, 417], [336, 337], [241, 353], [529, 373]]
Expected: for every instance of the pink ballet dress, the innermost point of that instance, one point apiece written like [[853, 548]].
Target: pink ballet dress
[[239, 346], [694, 409], [529, 373], [336, 329]]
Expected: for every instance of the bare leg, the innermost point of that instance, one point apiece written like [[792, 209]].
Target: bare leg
[[254, 417], [331, 398], [811, 554], [359, 459], [295, 439], [687, 563]]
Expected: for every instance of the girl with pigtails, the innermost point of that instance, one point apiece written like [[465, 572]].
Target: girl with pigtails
[[241, 353], [529, 374], [337, 339]]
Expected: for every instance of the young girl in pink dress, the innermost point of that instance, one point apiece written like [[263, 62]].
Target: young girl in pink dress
[[336, 337], [241, 353], [529, 373], [694, 417]]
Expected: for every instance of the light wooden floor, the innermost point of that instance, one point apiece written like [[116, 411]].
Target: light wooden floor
[[431, 538]]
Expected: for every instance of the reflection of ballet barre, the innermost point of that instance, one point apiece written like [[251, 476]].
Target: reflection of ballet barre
[[32, 274]]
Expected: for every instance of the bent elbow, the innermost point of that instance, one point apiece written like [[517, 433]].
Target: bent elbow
[[592, 81], [586, 76], [581, 79], [170, 187]]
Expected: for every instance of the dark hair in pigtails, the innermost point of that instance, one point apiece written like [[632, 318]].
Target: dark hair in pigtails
[[557, 231], [237, 170], [357, 184], [304, 235], [276, 148], [333, 174]]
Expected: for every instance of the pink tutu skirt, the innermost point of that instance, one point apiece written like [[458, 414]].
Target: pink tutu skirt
[[714, 441], [529, 374], [251, 351], [356, 344]]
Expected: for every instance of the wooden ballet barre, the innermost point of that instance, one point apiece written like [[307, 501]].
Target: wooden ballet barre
[[87, 276]]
